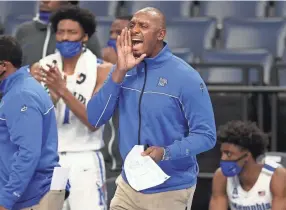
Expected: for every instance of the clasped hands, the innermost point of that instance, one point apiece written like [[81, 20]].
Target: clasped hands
[[52, 77]]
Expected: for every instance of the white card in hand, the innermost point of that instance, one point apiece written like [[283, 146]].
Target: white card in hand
[[60, 178], [142, 172]]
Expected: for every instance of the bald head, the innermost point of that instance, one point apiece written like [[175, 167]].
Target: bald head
[[148, 30], [156, 14]]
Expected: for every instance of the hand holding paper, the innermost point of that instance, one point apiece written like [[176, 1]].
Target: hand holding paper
[[141, 171], [156, 153]]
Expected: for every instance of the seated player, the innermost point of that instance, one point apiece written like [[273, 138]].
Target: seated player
[[241, 182]]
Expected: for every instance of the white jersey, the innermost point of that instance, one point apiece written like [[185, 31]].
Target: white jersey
[[259, 197], [74, 136]]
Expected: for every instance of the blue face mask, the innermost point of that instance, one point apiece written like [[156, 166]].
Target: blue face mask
[[230, 168], [112, 43], [44, 16], [69, 49]]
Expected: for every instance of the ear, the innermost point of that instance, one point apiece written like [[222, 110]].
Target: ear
[[248, 156], [161, 34], [85, 38]]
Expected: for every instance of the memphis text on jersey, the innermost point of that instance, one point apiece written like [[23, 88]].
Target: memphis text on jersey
[[263, 206], [260, 206]]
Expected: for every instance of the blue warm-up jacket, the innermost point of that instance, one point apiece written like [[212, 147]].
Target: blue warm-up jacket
[[176, 113], [28, 141]]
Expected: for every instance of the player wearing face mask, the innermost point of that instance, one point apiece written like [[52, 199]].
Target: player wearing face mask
[[72, 77], [109, 53], [241, 182]]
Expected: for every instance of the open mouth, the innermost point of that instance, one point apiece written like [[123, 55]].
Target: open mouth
[[136, 42]]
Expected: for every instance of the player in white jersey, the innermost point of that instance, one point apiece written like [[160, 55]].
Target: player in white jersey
[[72, 77], [242, 183]]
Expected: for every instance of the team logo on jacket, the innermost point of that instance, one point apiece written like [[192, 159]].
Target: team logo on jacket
[[162, 82], [24, 108]]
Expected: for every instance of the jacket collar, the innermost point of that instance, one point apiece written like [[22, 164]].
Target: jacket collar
[[156, 62]]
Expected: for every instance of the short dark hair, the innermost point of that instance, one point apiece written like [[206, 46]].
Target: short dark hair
[[245, 135], [10, 50], [124, 17], [83, 16]]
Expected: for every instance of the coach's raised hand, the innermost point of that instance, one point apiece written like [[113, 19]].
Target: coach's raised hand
[[125, 58]]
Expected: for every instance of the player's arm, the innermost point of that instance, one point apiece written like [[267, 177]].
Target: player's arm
[[278, 189], [24, 122], [219, 197]]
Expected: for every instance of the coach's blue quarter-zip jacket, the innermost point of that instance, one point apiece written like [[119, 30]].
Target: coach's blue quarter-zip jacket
[[28, 141], [176, 113]]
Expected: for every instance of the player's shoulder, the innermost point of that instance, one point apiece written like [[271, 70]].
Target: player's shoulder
[[278, 177], [103, 70], [219, 182], [106, 67], [219, 177], [279, 173], [218, 173]]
